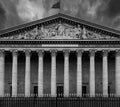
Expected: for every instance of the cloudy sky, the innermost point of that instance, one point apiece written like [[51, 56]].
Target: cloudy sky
[[14, 12]]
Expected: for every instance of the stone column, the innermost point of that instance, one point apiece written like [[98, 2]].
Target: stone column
[[105, 73], [40, 73], [79, 72], [2, 73], [92, 73], [117, 73], [53, 73], [14, 72], [66, 73], [27, 73]]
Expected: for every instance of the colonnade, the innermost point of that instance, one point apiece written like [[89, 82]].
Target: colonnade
[[79, 54]]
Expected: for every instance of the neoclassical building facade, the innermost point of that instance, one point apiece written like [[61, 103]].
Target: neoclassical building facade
[[60, 55]]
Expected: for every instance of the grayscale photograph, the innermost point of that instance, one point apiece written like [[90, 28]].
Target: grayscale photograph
[[59, 53]]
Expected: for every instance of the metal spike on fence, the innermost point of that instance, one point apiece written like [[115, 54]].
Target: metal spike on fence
[[19, 95], [45, 95], [100, 94], [4, 95], [8, 95], [32, 95], [72, 94], [96, 95], [23, 95], [48, 95]]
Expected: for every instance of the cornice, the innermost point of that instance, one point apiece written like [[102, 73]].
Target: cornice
[[29, 24], [90, 24], [81, 43]]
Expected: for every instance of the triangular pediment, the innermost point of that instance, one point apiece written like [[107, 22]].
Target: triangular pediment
[[59, 26]]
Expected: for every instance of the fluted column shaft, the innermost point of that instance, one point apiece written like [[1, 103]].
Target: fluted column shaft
[[79, 72], [105, 73], [2, 70], [117, 73], [27, 73], [92, 73], [66, 73], [14, 73], [53, 73], [40, 73]]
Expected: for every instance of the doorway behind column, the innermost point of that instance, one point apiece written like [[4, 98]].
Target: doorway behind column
[[59, 70], [60, 89]]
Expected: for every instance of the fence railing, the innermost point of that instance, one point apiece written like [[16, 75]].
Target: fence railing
[[59, 102], [61, 95]]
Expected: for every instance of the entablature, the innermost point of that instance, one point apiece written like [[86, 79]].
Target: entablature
[[80, 42]]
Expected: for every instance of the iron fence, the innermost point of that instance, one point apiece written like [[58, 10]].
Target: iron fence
[[59, 102]]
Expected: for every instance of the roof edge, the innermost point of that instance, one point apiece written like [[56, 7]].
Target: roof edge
[[63, 15]]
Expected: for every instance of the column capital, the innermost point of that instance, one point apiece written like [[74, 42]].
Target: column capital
[[53, 52], [2, 52], [40, 52], [27, 52], [105, 52], [66, 52], [14, 52], [117, 52], [79, 52], [92, 52]]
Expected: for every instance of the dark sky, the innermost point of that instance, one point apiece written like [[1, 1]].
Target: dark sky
[[14, 12]]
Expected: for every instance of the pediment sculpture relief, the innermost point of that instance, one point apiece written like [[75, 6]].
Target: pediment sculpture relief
[[59, 31]]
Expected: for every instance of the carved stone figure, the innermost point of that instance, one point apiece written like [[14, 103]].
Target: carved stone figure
[[67, 32], [42, 31], [61, 30], [84, 35], [77, 31], [80, 32]]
